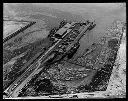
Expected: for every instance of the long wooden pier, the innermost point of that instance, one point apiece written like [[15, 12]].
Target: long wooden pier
[[19, 30]]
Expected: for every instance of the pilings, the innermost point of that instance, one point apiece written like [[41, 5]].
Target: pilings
[[18, 31]]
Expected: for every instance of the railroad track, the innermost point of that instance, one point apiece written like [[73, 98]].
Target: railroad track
[[31, 69]]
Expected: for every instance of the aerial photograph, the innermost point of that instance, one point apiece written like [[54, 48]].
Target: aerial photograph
[[64, 50]]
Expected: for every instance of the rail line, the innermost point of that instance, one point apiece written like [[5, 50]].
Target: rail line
[[42, 57]]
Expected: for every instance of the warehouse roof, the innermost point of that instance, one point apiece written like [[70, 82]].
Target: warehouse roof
[[63, 29]]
